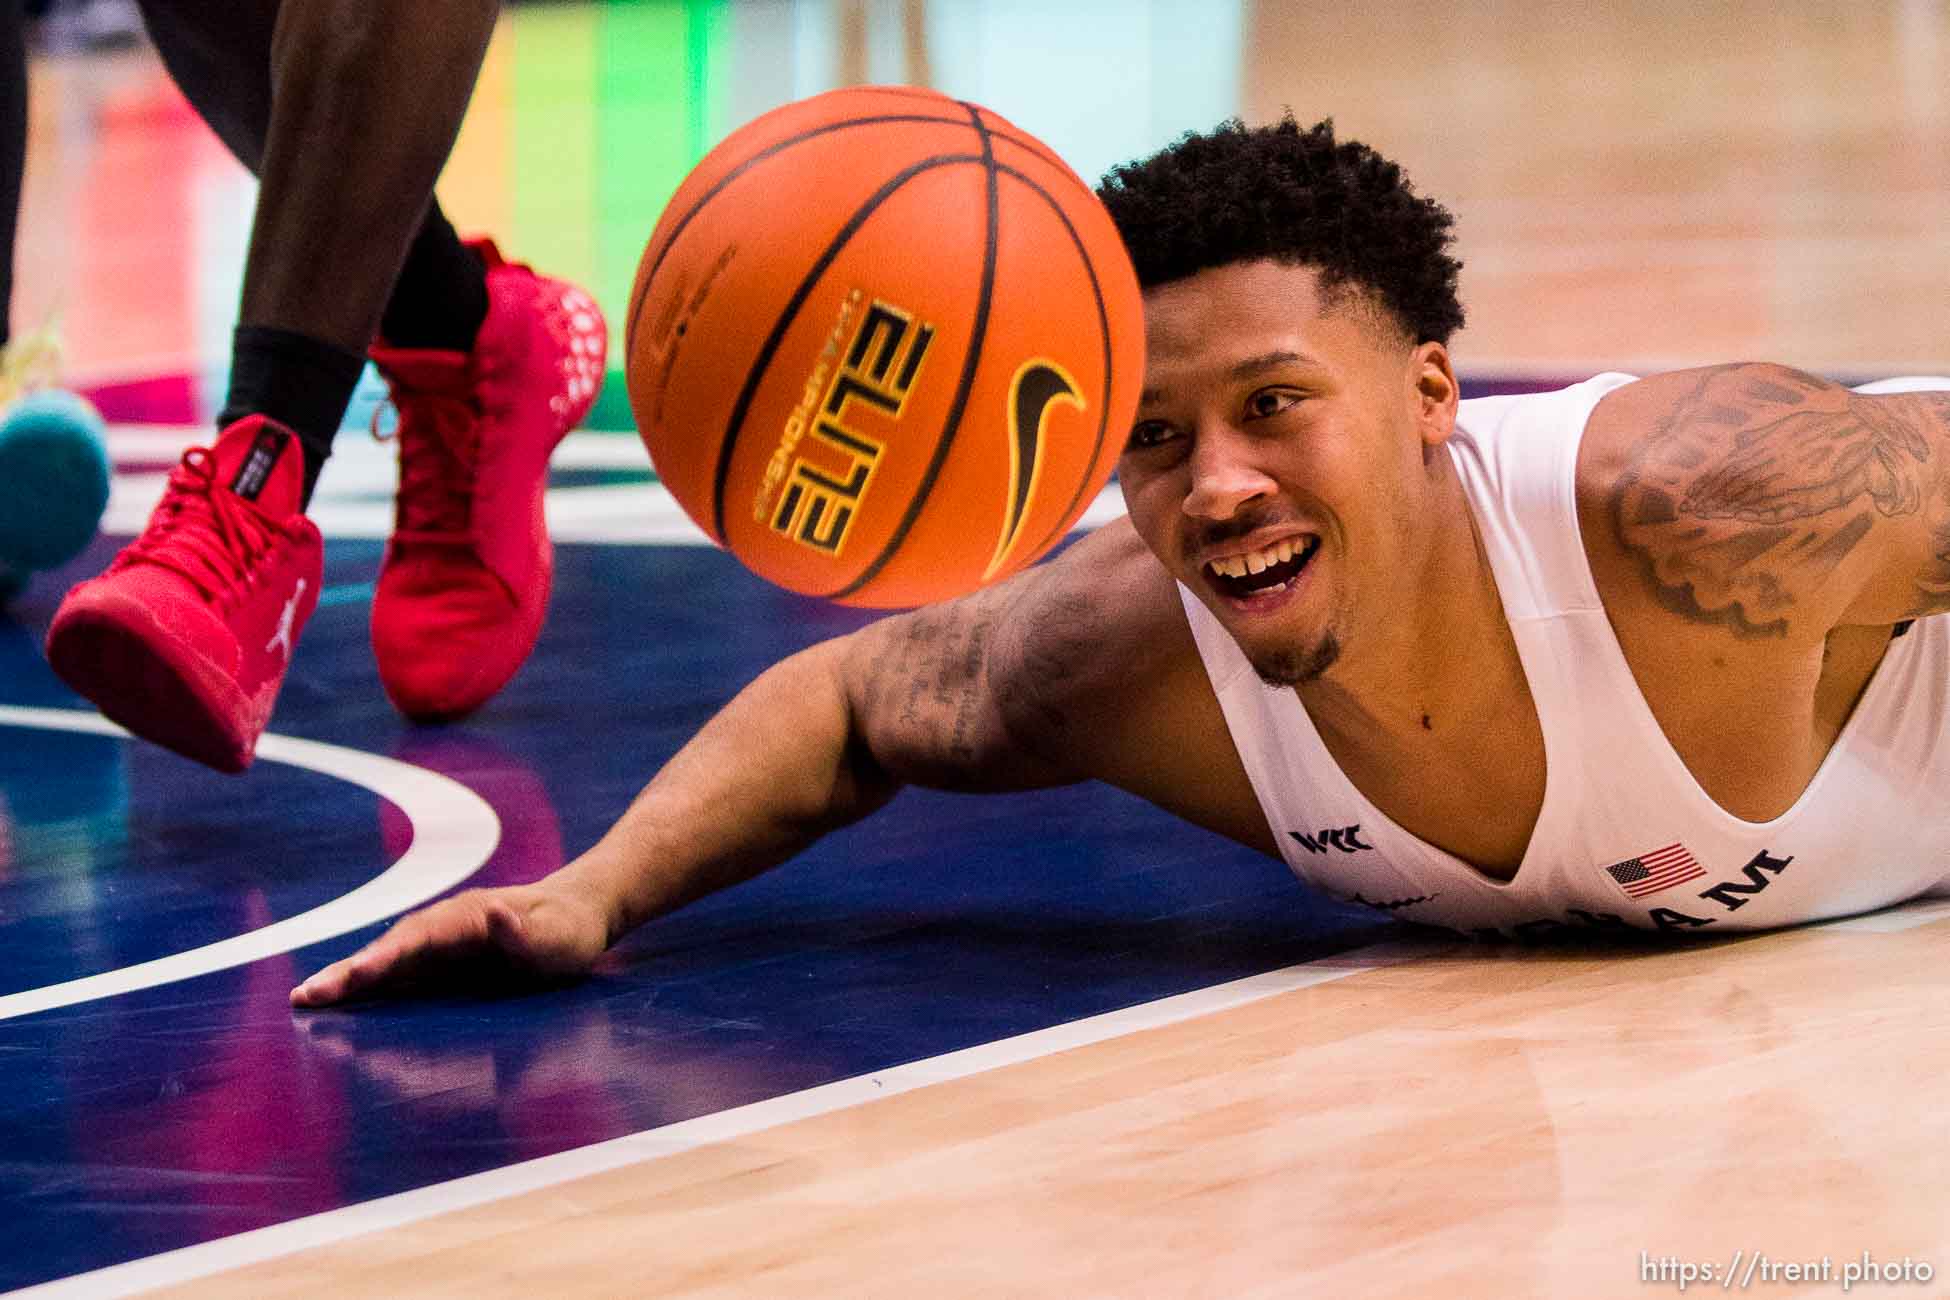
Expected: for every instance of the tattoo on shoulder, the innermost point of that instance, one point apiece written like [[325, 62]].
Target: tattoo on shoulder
[[1759, 480]]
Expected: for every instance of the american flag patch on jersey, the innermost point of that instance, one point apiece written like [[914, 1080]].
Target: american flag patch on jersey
[[1651, 872]]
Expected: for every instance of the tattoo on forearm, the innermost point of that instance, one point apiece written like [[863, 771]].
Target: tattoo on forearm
[[1050, 659], [1759, 480], [960, 687], [932, 676]]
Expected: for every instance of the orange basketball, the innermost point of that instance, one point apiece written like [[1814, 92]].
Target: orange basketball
[[884, 346]]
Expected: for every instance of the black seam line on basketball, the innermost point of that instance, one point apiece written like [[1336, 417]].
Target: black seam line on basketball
[[643, 289], [1103, 334], [978, 334], [771, 345], [1026, 143], [908, 92]]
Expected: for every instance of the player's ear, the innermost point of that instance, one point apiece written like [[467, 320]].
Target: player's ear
[[1436, 392]]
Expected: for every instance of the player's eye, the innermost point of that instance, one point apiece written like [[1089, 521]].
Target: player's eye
[[1148, 433], [1270, 401]]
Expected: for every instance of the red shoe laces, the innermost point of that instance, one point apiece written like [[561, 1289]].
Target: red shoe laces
[[205, 532], [438, 439]]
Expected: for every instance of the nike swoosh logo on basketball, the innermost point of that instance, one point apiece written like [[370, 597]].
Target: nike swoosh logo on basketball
[[1037, 386]]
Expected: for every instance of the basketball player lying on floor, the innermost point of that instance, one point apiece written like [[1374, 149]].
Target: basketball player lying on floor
[[1635, 653]]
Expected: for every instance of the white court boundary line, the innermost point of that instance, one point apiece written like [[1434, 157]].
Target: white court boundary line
[[454, 832], [193, 1262]]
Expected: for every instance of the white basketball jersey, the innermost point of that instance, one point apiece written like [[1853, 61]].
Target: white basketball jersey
[[1625, 835]]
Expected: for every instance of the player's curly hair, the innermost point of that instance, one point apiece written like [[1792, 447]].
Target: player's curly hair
[[1291, 195]]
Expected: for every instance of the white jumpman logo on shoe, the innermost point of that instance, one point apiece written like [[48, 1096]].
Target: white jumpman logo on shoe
[[283, 637]]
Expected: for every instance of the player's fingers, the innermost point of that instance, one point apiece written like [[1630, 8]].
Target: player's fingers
[[398, 956], [322, 988], [341, 980]]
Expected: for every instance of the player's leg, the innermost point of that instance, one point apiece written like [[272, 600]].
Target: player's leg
[[367, 100], [224, 62], [488, 363], [346, 110]]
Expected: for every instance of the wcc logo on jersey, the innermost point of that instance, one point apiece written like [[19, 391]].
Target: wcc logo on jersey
[[1345, 838], [821, 498]]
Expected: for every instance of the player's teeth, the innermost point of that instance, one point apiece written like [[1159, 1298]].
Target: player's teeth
[[1240, 566]]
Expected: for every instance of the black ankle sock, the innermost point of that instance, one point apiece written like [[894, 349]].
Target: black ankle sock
[[440, 298], [297, 381]]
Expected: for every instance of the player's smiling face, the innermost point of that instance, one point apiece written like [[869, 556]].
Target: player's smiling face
[[1279, 462]]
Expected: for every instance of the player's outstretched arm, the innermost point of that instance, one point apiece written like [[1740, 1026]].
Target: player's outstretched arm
[[977, 694]]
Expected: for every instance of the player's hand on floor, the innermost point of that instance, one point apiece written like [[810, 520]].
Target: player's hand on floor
[[527, 932]]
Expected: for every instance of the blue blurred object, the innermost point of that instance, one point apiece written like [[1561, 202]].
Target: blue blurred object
[[54, 476]]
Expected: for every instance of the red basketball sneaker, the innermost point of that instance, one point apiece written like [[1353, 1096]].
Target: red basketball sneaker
[[465, 581], [185, 638]]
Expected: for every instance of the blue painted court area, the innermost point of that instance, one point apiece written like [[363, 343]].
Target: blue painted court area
[[204, 1107]]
